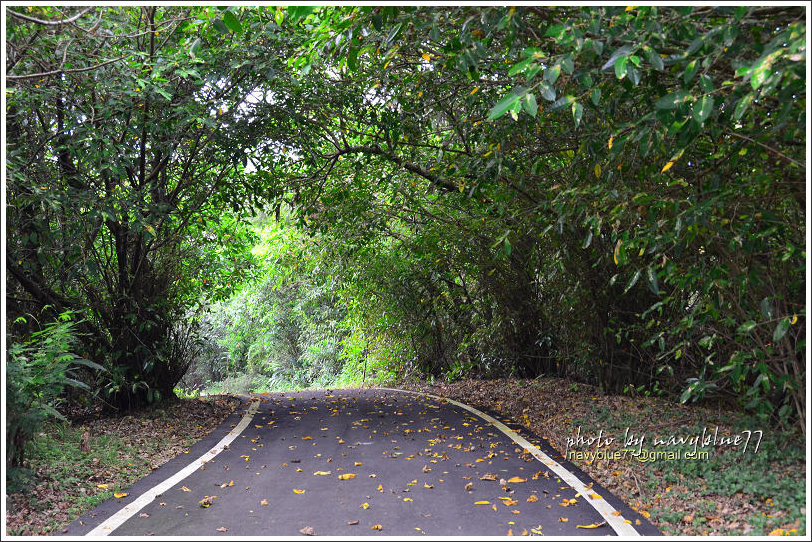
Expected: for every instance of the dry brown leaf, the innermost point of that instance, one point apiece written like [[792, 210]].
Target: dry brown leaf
[[489, 477], [353, 522], [263, 502], [469, 486], [532, 498], [307, 531]]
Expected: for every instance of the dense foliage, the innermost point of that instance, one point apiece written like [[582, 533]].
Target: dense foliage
[[615, 194]]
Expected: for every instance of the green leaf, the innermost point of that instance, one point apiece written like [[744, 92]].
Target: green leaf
[[530, 105], [653, 58], [551, 74], [300, 12], [503, 106], [632, 281], [766, 308], [577, 113], [620, 67], [547, 91], [651, 276], [702, 109], [670, 101], [352, 58], [746, 327], [595, 96], [562, 102], [508, 247], [623, 51], [220, 26], [742, 106], [231, 22], [690, 71], [520, 66], [555, 31], [760, 74], [194, 49], [633, 74], [705, 83], [567, 64], [781, 329]]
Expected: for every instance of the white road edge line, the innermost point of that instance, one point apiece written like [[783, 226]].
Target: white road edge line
[[117, 519], [605, 509]]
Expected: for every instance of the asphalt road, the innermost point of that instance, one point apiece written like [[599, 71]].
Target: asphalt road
[[364, 462]]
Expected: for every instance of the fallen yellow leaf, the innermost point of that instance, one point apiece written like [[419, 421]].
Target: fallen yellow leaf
[[377, 528], [591, 525], [482, 502], [667, 167], [426, 56], [264, 502], [532, 498], [358, 463], [517, 480], [119, 495], [563, 520], [307, 438], [322, 473], [348, 476], [408, 499], [594, 496], [101, 486], [299, 491], [365, 505], [184, 488]]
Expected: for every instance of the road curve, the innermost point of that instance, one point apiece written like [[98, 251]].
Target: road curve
[[358, 462]]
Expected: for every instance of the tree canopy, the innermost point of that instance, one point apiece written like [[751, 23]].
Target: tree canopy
[[614, 194]]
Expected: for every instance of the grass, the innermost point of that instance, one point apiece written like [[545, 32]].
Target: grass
[[725, 473], [62, 482]]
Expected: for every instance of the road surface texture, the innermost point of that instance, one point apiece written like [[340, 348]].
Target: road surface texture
[[364, 462]]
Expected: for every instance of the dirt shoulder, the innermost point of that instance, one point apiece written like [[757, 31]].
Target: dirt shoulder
[[67, 482], [722, 490]]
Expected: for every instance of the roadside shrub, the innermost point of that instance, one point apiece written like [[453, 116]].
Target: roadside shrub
[[37, 372]]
